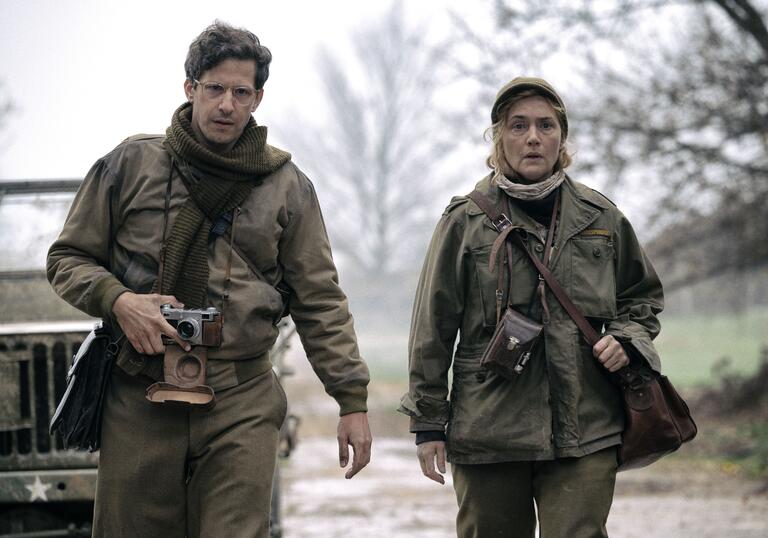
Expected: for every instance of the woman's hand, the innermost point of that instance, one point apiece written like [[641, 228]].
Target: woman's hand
[[429, 452], [610, 353]]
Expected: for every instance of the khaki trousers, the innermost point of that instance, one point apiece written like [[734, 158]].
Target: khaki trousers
[[170, 471], [572, 495]]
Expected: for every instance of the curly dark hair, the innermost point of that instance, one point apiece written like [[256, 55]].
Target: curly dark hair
[[221, 41]]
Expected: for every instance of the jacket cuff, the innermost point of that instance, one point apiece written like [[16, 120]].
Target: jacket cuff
[[427, 436], [425, 425], [639, 347], [644, 348], [103, 296], [426, 413], [352, 399]]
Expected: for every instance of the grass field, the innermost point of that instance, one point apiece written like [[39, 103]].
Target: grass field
[[689, 347]]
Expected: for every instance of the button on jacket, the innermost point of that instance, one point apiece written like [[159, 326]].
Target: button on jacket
[[564, 403]]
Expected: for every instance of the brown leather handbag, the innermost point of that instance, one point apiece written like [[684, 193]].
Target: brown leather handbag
[[658, 420]]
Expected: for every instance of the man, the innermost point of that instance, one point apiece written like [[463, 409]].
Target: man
[[207, 216]]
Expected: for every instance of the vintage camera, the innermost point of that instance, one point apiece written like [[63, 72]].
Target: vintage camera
[[184, 371], [198, 327]]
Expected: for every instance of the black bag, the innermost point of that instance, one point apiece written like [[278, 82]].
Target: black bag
[[78, 416]]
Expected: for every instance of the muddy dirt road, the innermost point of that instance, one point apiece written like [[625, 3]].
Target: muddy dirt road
[[675, 498], [390, 499]]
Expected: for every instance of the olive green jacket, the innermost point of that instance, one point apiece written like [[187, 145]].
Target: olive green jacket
[[564, 403], [279, 237]]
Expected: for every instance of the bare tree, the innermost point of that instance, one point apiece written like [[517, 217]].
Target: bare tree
[[672, 103], [380, 156]]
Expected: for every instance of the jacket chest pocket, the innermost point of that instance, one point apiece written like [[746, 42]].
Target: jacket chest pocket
[[481, 296], [593, 277], [523, 284]]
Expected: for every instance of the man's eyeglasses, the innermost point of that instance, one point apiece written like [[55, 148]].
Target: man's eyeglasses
[[242, 95]]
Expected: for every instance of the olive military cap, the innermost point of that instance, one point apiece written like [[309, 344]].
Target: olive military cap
[[519, 84]]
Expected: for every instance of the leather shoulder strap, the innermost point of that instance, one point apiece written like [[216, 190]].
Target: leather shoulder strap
[[502, 225], [498, 219], [586, 328]]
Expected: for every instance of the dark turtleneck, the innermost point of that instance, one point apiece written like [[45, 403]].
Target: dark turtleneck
[[538, 210]]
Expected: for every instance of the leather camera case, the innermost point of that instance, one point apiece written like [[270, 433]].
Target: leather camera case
[[512, 344]]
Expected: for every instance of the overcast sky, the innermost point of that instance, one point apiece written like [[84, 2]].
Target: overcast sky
[[84, 74]]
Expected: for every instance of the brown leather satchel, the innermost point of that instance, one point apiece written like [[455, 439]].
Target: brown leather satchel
[[658, 420]]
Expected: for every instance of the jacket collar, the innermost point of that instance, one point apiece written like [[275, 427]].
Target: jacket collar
[[580, 206]]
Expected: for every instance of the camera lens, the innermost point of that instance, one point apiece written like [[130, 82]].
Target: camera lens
[[186, 329]]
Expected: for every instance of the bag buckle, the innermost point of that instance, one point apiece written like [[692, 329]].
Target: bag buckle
[[522, 362], [512, 343], [502, 223]]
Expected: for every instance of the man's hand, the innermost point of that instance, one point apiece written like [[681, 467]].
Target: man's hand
[[429, 452], [354, 430], [610, 353], [140, 318]]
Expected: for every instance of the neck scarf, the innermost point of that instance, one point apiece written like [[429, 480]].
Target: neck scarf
[[217, 183], [514, 187]]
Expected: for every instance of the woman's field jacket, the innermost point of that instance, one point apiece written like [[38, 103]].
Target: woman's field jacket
[[563, 404]]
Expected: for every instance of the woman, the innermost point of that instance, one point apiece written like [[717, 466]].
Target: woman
[[548, 436]]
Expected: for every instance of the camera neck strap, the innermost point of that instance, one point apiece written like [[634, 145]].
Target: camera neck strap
[[505, 228], [228, 271], [166, 210], [163, 249]]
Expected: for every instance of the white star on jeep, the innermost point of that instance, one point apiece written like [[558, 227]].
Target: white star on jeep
[[38, 490]]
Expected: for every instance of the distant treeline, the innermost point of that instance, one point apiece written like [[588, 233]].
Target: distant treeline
[[717, 262]]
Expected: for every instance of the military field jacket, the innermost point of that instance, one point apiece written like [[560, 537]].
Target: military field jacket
[[116, 222], [564, 404]]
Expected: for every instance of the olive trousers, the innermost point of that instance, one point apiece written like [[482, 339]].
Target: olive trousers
[[174, 471], [572, 496]]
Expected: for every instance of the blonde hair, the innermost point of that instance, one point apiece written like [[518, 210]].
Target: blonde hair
[[497, 161]]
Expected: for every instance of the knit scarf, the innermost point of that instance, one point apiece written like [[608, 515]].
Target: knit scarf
[[217, 183], [515, 188]]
